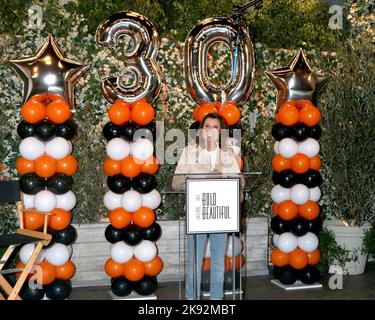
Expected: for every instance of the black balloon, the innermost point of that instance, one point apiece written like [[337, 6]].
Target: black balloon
[[111, 130], [275, 177], [30, 183], [315, 225], [132, 235], [279, 225], [128, 130], [66, 236], [311, 178], [25, 129], [144, 183], [309, 275], [275, 271], [300, 131], [300, 226], [146, 286], [228, 280], [113, 235], [60, 183], [315, 132], [58, 290], [205, 281], [118, 183], [280, 131], [27, 293], [151, 233], [287, 275], [66, 130], [45, 130], [287, 178], [121, 287]]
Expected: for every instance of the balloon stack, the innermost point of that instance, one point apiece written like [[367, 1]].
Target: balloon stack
[[47, 165], [131, 165], [296, 192]]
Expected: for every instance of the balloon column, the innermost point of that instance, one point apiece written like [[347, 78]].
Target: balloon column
[[47, 165], [130, 164], [296, 175]]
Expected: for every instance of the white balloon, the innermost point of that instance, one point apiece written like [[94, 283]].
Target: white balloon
[[310, 147], [143, 149], [31, 148], [118, 149], [275, 239], [58, 148], [238, 246], [145, 251], [45, 201], [315, 194], [280, 194], [41, 257], [66, 201], [308, 242], [121, 252], [27, 200], [299, 194], [131, 200], [287, 242], [70, 146], [112, 200], [276, 147], [288, 148], [26, 252], [58, 254], [151, 199]]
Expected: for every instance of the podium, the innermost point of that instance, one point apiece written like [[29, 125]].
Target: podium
[[212, 204]]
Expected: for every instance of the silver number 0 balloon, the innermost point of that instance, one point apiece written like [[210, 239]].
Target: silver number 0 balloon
[[197, 46], [140, 60]]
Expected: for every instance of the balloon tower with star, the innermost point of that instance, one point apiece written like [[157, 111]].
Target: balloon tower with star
[[46, 164], [296, 175]]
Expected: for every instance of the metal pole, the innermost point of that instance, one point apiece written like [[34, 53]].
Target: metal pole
[[233, 268], [195, 293]]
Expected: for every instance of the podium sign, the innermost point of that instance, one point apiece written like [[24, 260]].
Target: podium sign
[[212, 205]]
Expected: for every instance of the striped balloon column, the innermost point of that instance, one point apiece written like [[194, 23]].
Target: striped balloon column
[[46, 166], [132, 198], [296, 176]]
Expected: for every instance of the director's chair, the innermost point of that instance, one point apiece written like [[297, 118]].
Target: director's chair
[[10, 193]]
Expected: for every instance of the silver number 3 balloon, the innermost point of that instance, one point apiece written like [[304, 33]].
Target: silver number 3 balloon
[[197, 46], [139, 60]]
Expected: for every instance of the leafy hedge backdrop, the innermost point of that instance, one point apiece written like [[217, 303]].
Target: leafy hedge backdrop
[[286, 24]]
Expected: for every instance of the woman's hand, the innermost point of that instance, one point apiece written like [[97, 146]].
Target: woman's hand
[[216, 170]]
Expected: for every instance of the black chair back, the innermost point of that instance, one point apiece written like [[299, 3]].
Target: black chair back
[[9, 191]]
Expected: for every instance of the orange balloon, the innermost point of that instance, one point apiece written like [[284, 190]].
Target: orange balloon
[[58, 111], [240, 162], [205, 109], [298, 259], [309, 115], [287, 210], [196, 113], [48, 273], [206, 264], [112, 167], [45, 166], [314, 257], [33, 111], [134, 270], [119, 218], [59, 219], [238, 263], [24, 166], [142, 113], [300, 163], [288, 114], [150, 166], [21, 265], [129, 167], [230, 113], [66, 271], [67, 165], [153, 267], [33, 220], [40, 97], [279, 258], [275, 208], [119, 112], [279, 163], [316, 163], [309, 210], [144, 217], [114, 269]]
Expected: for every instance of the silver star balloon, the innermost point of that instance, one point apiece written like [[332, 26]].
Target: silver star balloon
[[297, 81], [48, 71]]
